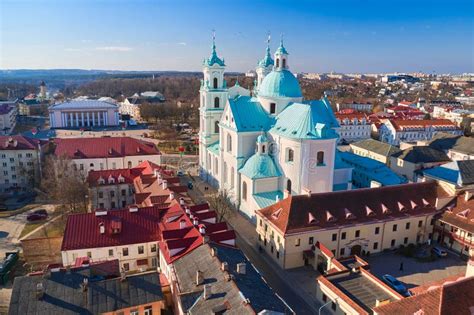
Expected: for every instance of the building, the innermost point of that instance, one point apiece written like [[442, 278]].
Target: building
[[106, 153], [455, 227], [456, 147], [347, 222], [454, 177], [20, 158], [399, 77], [131, 105], [77, 114], [365, 107], [367, 172], [353, 127], [258, 147], [409, 162], [8, 115], [96, 289], [373, 149], [394, 131]]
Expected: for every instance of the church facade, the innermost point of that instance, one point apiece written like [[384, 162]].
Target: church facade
[[261, 145]]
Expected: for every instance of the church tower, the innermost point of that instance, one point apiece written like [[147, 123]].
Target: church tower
[[213, 97], [265, 65]]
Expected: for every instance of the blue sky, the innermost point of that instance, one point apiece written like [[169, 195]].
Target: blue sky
[[321, 36]]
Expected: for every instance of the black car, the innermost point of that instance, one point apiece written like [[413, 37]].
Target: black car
[[37, 215]]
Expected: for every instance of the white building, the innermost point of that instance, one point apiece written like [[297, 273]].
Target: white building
[[263, 147], [131, 105], [353, 127], [394, 131], [365, 107], [19, 161], [8, 113], [83, 114]]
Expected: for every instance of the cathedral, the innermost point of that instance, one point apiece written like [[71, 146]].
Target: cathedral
[[262, 145]]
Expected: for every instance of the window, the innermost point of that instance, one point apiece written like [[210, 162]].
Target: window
[[271, 249], [297, 242], [112, 193], [114, 165], [376, 245], [141, 249], [278, 255], [420, 223], [101, 194], [216, 102], [125, 251], [129, 164], [111, 252], [343, 235], [407, 225], [432, 221], [112, 204], [81, 167], [288, 186], [405, 240], [229, 143], [216, 126], [266, 227], [101, 205], [278, 62], [311, 240], [325, 298], [394, 228], [263, 148], [342, 251], [153, 248], [357, 233], [392, 243], [147, 310], [215, 83], [284, 63], [244, 191], [261, 222], [377, 230], [290, 155], [124, 192], [334, 237], [272, 108], [89, 254], [134, 312], [320, 158]]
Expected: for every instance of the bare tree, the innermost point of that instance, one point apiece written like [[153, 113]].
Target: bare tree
[[65, 184], [221, 204]]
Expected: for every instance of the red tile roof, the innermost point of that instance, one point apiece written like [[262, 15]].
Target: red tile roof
[[83, 148], [83, 231], [460, 214], [18, 143], [422, 124], [351, 116], [451, 298], [295, 210]]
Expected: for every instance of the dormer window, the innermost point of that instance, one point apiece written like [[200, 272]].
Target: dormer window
[[330, 217], [311, 218], [413, 205], [464, 213], [111, 180], [349, 215], [101, 181], [385, 210], [276, 214], [425, 202], [401, 207], [121, 179], [369, 212]]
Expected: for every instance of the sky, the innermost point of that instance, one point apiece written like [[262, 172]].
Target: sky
[[321, 36]]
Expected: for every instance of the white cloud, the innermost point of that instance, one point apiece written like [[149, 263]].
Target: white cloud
[[182, 44], [72, 49], [114, 48]]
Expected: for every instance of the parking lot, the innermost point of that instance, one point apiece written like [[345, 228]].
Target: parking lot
[[416, 273]]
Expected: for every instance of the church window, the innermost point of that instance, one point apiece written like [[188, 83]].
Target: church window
[[263, 148], [216, 102], [272, 108], [244, 191], [229, 143], [288, 186], [284, 63], [215, 83], [290, 155], [320, 158], [216, 126], [278, 62]]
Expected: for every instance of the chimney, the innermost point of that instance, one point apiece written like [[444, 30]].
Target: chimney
[[307, 192], [286, 193], [182, 224], [195, 221], [224, 266], [241, 268], [207, 291], [101, 228], [171, 195], [213, 252], [188, 211], [202, 229], [199, 278], [84, 284], [165, 184], [39, 291], [181, 201]]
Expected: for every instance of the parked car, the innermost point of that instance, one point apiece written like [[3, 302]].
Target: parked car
[[180, 173], [396, 285], [438, 251], [37, 215]]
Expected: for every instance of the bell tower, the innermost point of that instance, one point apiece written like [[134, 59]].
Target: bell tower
[[265, 65], [281, 57]]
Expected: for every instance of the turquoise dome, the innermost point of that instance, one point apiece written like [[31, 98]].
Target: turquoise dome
[[281, 83], [262, 138]]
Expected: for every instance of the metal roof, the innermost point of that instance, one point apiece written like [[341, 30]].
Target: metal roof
[[83, 104]]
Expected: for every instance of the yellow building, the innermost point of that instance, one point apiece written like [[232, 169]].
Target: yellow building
[[348, 222]]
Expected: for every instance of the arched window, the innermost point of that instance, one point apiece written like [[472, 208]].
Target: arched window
[[272, 108], [288, 186], [263, 148], [232, 177], [244, 191], [91, 165], [320, 158], [216, 102], [290, 156], [229, 143], [216, 126], [278, 62], [129, 164], [284, 63], [215, 83]]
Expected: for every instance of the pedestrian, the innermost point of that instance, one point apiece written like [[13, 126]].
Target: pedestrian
[[401, 266]]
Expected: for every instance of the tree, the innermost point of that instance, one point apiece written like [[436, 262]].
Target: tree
[[65, 184], [221, 204]]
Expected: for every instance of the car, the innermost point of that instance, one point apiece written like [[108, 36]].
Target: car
[[396, 285], [37, 215], [438, 251], [180, 173], [41, 211]]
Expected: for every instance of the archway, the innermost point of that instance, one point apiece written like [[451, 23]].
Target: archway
[[356, 250]]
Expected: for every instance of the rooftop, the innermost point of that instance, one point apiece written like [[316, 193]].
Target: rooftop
[[18, 143], [445, 141], [422, 154], [460, 213], [248, 114], [83, 104], [460, 173], [400, 124], [375, 146]]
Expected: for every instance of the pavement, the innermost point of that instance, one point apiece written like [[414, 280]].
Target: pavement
[[296, 288]]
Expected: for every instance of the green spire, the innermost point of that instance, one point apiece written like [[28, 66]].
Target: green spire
[[214, 58]]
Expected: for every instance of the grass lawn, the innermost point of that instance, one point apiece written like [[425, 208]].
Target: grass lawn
[[30, 227], [53, 229]]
